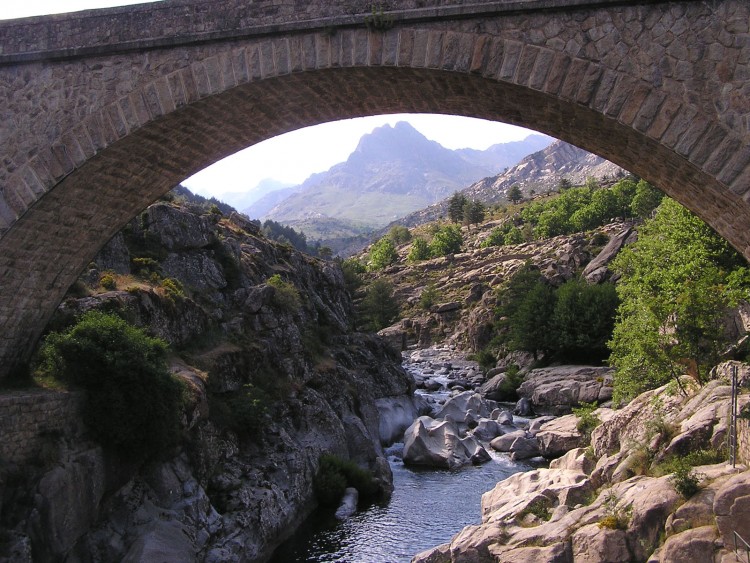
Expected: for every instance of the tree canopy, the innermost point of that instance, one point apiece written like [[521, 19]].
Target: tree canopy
[[674, 297]]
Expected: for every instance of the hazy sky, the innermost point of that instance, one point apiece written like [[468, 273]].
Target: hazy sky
[[296, 155]]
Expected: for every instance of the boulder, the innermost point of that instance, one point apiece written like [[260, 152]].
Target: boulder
[[732, 508], [456, 407], [348, 505], [503, 443], [524, 448], [697, 544], [536, 424], [395, 336], [67, 503], [594, 544], [574, 460], [596, 271], [503, 417], [556, 389], [396, 415], [434, 443], [559, 436], [523, 407], [163, 541], [487, 429], [492, 389]]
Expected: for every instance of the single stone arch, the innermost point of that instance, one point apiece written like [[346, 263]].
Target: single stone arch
[[119, 127]]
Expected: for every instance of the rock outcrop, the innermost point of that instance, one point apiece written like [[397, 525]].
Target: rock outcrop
[[592, 505], [556, 389], [202, 282]]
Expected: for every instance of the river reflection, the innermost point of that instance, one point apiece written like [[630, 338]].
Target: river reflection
[[427, 508]]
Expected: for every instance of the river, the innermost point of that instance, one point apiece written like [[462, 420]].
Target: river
[[427, 508]]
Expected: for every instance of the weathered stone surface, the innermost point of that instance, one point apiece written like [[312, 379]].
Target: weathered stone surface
[[504, 442], [596, 271], [433, 443], [560, 436], [524, 448], [67, 502], [691, 545], [593, 544], [732, 508], [574, 460], [557, 389]]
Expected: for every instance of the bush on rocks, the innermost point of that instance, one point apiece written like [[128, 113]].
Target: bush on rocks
[[336, 474], [133, 404]]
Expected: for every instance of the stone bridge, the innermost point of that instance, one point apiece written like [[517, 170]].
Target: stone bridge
[[104, 111]]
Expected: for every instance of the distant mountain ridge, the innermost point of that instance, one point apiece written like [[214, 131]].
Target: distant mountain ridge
[[393, 171]]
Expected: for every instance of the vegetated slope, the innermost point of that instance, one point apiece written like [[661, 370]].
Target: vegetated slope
[[393, 171], [538, 173]]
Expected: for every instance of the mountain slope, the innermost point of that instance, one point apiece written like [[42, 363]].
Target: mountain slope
[[393, 171], [540, 173]]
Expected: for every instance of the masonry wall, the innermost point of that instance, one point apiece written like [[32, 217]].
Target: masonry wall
[[32, 420]]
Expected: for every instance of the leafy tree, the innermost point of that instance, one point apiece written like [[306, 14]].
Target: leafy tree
[[646, 199], [515, 194], [473, 212], [564, 184], [133, 404], [420, 250], [530, 322], [447, 240], [353, 270], [379, 306], [399, 235], [382, 253], [456, 207], [673, 301], [583, 319]]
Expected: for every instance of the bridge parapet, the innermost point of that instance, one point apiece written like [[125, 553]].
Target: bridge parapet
[[185, 22]]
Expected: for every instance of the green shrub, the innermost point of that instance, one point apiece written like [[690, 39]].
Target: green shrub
[[447, 240], [539, 508], [428, 297], [133, 404], [486, 359], [587, 420], [399, 235], [285, 296], [173, 288], [684, 479], [241, 411], [495, 238], [382, 253], [420, 250], [336, 474], [108, 281], [353, 270], [616, 517]]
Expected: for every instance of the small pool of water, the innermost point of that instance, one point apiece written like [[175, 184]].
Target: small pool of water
[[428, 508]]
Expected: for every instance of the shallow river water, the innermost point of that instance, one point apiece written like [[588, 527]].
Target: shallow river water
[[427, 508]]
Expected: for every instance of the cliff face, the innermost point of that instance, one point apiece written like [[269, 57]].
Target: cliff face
[[240, 313]]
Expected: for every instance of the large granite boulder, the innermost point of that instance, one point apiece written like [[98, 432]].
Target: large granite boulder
[[556, 389], [597, 271], [434, 443], [456, 407]]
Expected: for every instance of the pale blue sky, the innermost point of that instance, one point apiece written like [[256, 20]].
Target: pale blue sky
[[296, 155]]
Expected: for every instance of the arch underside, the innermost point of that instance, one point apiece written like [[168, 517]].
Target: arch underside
[[45, 250]]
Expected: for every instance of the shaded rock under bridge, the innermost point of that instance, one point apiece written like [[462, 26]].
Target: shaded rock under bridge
[[104, 111]]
